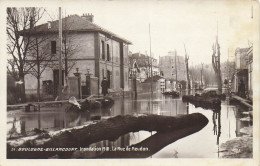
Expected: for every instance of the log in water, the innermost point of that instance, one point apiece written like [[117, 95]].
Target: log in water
[[109, 129], [204, 102]]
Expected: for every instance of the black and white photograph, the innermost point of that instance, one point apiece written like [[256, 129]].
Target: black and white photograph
[[110, 79]]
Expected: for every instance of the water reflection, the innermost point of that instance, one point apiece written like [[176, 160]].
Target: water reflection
[[153, 144], [225, 122], [217, 126]]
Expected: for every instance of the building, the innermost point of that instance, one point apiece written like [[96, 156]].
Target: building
[[241, 68], [98, 52], [250, 72], [144, 66], [172, 66]]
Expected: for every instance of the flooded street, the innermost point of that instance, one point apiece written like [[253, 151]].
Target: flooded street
[[223, 125]]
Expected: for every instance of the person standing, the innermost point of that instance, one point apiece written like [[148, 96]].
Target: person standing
[[104, 85]]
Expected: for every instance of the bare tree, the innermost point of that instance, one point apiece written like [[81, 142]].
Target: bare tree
[[39, 58], [20, 20], [69, 47], [216, 64], [187, 68]]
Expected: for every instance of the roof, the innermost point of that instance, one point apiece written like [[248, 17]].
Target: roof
[[141, 59], [155, 79], [75, 23], [242, 50]]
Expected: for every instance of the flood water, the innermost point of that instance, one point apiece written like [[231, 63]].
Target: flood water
[[223, 125]]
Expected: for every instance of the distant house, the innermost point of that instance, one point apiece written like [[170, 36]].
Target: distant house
[[144, 66], [99, 52], [173, 64]]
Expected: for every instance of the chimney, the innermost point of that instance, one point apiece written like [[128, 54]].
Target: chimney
[[32, 22], [88, 16], [49, 25]]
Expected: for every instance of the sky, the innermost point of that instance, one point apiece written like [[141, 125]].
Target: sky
[[173, 24]]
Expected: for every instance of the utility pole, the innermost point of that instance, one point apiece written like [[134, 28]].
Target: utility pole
[[187, 68], [60, 58], [176, 70], [151, 61], [65, 49], [201, 75]]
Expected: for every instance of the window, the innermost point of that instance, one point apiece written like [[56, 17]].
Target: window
[[53, 47], [103, 50], [103, 73], [108, 53]]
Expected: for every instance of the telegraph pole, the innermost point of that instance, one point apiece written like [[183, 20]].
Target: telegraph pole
[[201, 75], [176, 70], [60, 58], [187, 68], [151, 61]]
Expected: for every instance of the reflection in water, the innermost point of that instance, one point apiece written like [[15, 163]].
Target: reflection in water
[[154, 143], [22, 123], [241, 123], [217, 127]]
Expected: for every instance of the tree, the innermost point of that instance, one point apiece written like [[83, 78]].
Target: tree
[[20, 20], [216, 64], [208, 75], [69, 47], [187, 68], [39, 58]]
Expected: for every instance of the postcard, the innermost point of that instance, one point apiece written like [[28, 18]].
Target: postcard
[[153, 82]]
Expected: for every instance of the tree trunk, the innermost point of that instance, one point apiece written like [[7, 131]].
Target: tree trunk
[[22, 89], [38, 89], [109, 129], [219, 82]]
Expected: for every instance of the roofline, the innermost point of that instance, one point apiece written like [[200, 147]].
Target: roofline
[[83, 30]]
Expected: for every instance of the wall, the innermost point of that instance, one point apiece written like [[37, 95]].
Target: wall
[[241, 58], [167, 66], [81, 57], [113, 64]]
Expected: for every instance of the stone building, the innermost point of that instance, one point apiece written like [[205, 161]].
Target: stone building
[[241, 68], [97, 52], [173, 64]]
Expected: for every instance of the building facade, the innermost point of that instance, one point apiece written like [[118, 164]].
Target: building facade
[[241, 69], [250, 72], [96, 52], [172, 66]]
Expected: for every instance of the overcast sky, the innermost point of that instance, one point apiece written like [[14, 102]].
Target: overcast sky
[[173, 23]]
